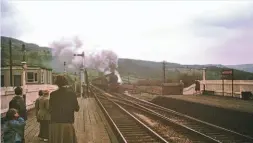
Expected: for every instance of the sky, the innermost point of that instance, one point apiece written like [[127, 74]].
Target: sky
[[186, 32]]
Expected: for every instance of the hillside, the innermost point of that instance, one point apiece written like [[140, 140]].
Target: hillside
[[35, 55], [243, 67], [42, 56], [142, 68], [150, 69]]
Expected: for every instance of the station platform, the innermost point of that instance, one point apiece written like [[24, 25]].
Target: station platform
[[90, 125], [230, 113], [218, 101]]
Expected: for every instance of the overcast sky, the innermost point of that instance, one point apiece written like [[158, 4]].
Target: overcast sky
[[182, 32]]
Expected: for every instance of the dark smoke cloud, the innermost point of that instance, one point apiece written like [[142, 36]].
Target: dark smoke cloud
[[65, 48], [11, 22]]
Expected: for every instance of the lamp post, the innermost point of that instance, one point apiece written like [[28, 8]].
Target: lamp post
[[204, 78], [10, 52], [81, 72], [24, 67]]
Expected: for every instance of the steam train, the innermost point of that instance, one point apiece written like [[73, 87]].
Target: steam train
[[107, 82]]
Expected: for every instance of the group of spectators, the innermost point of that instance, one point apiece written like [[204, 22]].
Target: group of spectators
[[54, 112]]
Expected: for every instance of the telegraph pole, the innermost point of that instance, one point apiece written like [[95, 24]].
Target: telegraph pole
[[81, 72], [24, 71], [10, 50], [232, 82], [65, 68], [75, 81], [164, 68]]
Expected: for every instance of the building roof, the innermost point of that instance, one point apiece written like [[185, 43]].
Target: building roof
[[34, 66]]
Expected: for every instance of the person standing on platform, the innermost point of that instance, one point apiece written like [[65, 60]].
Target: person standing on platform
[[86, 82], [62, 104], [19, 104], [44, 116], [37, 103], [197, 87], [37, 107], [182, 87]]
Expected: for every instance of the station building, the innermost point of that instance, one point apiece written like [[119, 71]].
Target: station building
[[34, 75]]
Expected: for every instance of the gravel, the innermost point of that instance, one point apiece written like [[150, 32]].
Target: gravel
[[164, 130], [145, 96]]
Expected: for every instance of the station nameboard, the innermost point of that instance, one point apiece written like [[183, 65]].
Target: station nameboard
[[227, 74]]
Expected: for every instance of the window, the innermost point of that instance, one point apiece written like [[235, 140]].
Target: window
[[2, 80], [32, 77], [35, 77], [47, 77], [42, 77]]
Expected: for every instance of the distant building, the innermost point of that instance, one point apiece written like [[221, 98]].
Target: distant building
[[34, 75]]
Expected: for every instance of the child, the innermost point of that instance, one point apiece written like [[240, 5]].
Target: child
[[14, 127]]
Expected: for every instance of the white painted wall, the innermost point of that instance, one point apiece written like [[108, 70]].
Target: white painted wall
[[216, 85], [7, 93]]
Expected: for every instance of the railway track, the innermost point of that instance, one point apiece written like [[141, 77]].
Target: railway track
[[161, 121], [127, 127], [168, 130], [213, 132]]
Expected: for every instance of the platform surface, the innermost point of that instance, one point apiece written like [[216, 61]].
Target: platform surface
[[218, 101], [90, 124]]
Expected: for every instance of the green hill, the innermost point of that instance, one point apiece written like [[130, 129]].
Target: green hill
[[150, 69], [35, 55], [244, 67]]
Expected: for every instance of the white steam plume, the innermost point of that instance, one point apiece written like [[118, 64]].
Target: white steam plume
[[65, 48]]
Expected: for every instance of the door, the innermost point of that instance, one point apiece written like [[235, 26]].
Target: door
[[17, 80], [2, 80]]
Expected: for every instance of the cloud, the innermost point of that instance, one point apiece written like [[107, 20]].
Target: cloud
[[184, 32], [12, 23], [233, 36]]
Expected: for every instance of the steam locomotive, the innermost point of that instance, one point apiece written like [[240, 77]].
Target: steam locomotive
[[107, 82]]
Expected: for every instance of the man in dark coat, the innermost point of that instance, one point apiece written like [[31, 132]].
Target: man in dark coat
[[87, 83], [18, 103]]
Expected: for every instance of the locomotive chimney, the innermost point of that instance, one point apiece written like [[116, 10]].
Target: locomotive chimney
[[112, 67]]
